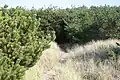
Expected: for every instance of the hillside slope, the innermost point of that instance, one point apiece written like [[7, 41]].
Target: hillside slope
[[93, 61]]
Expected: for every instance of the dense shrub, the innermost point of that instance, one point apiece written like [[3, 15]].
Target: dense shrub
[[53, 19], [82, 24], [93, 23], [22, 41], [9, 70]]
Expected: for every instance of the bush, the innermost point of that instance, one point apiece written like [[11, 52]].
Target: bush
[[93, 23], [82, 24], [22, 40], [53, 19], [9, 70]]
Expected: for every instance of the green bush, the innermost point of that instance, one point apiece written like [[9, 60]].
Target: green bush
[[93, 23], [22, 41], [82, 24], [9, 70], [53, 19]]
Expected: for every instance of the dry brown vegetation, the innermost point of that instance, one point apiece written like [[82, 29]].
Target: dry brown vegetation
[[82, 62]]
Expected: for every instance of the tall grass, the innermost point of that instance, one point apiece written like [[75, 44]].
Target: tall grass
[[46, 62], [97, 50], [79, 63]]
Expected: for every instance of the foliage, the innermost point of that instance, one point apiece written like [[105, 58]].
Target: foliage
[[82, 24], [22, 41], [93, 23], [9, 70]]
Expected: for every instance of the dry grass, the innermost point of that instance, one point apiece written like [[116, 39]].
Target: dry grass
[[93, 49], [47, 61], [79, 63]]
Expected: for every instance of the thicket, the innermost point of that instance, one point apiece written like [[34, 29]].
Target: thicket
[[82, 24], [22, 41]]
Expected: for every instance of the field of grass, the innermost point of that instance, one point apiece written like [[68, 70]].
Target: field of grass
[[92, 61]]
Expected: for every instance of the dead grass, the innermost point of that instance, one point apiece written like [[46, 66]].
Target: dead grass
[[51, 66], [92, 49], [50, 57]]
